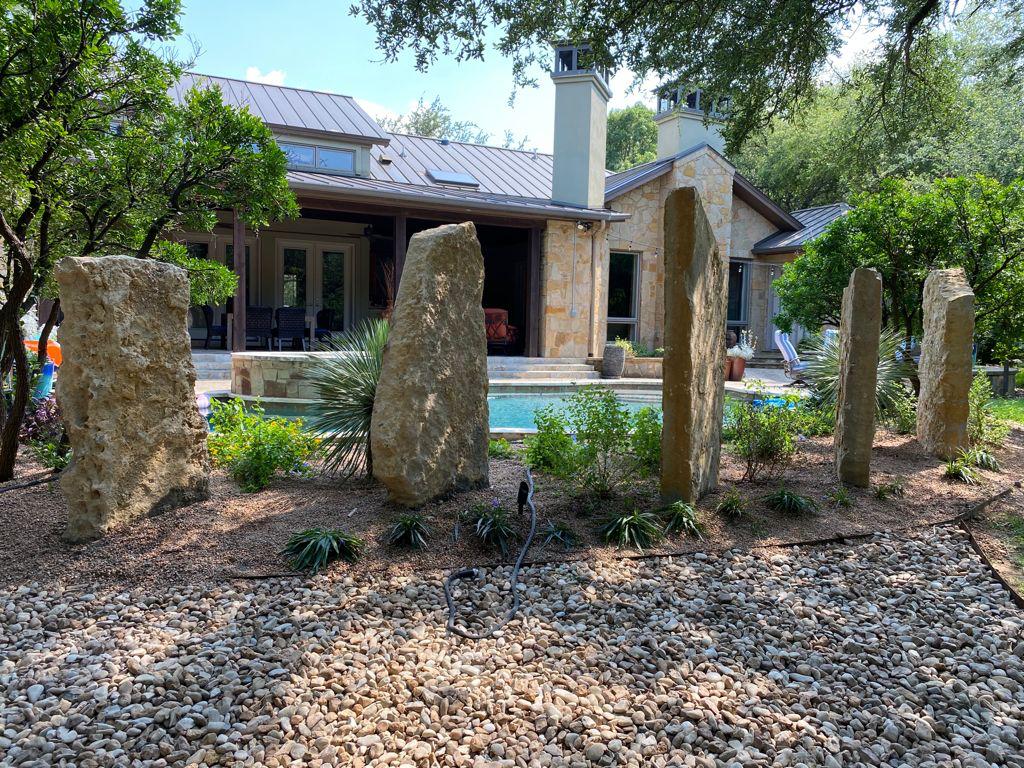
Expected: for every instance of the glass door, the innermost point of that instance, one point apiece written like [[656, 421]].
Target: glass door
[[333, 302], [622, 296]]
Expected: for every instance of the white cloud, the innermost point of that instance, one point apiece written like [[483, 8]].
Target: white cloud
[[377, 111], [273, 77]]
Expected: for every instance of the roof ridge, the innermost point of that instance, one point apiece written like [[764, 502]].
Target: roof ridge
[[839, 203], [274, 85]]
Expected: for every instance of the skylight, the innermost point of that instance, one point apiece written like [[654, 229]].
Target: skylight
[[456, 178]]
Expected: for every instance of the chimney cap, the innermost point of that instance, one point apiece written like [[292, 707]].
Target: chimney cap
[[673, 98], [573, 59]]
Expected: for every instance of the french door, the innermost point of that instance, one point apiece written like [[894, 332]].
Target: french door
[[318, 276]]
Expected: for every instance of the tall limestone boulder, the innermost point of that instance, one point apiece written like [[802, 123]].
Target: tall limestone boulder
[[695, 314], [945, 368], [127, 393], [429, 429], [859, 330]]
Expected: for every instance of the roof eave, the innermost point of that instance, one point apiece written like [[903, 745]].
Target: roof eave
[[763, 204], [334, 135]]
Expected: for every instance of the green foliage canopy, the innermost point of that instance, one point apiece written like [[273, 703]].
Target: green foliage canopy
[[632, 137]]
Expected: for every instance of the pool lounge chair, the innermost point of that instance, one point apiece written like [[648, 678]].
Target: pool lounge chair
[[791, 364]]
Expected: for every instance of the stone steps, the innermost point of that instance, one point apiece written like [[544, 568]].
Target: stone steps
[[211, 365], [540, 368]]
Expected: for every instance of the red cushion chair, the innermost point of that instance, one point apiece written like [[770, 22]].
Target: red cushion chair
[[498, 329]]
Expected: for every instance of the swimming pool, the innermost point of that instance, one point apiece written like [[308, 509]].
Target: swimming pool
[[514, 411]]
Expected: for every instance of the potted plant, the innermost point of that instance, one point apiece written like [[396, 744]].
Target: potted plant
[[738, 355], [614, 361]]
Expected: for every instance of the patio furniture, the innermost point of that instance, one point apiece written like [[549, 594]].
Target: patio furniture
[[324, 324], [791, 364], [500, 335], [258, 325], [212, 330], [291, 325]]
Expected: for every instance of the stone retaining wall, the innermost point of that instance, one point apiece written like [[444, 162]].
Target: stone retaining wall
[[275, 374]]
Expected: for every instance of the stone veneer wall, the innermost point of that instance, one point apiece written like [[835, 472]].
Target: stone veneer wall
[[275, 374], [563, 335]]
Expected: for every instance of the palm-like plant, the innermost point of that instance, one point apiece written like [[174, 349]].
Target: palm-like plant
[[346, 385], [821, 353]]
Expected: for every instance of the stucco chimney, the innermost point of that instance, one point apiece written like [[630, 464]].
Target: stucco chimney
[[682, 123], [581, 128]]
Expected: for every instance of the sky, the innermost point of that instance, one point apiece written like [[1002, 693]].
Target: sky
[[317, 44]]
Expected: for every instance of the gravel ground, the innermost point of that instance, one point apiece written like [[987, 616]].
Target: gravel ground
[[894, 651]]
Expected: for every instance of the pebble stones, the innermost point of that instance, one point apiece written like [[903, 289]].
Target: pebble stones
[[887, 652]]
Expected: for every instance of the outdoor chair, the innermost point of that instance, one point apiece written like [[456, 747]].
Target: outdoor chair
[[500, 335], [258, 323], [291, 326], [791, 364], [218, 331], [324, 324]]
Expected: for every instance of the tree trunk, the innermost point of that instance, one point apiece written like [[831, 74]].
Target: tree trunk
[[44, 335], [16, 412]]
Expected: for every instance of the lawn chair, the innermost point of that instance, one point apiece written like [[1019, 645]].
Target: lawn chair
[[258, 323], [324, 324], [791, 364], [291, 325], [212, 331]]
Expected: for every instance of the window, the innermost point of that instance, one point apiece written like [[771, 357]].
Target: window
[[198, 250], [622, 295], [343, 160], [299, 154], [294, 277], [738, 292]]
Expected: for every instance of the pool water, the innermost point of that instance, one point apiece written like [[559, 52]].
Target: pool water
[[510, 411]]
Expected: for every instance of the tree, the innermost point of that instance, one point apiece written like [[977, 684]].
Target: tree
[[767, 58], [966, 117], [971, 222], [97, 159], [632, 137], [435, 120]]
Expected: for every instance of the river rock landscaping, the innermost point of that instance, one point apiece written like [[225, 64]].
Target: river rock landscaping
[[895, 650]]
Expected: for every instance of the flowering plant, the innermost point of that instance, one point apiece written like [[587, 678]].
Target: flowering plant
[[42, 422], [745, 347]]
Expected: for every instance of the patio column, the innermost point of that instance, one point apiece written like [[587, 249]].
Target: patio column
[[534, 306], [238, 249], [400, 245]]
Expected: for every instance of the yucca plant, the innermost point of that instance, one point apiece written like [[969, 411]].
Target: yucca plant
[[732, 506], [346, 385], [638, 529], [681, 517], [959, 471], [409, 530], [785, 500], [315, 548], [558, 533], [821, 353]]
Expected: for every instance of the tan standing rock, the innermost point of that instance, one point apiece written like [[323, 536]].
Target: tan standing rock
[[429, 430], [859, 331], [127, 393], [946, 367], [695, 314]]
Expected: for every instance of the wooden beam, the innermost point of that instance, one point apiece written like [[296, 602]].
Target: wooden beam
[[312, 204], [238, 255], [534, 306], [400, 245]]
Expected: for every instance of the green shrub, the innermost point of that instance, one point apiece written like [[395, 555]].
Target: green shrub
[[840, 497], [980, 458], [732, 506], [314, 548], [500, 449], [984, 428], [52, 454], [959, 471], [601, 423], [253, 447], [346, 386], [901, 414], [814, 419], [681, 517], [894, 489], [764, 437], [784, 500], [551, 449], [641, 530], [409, 530], [492, 524], [645, 439], [558, 533]]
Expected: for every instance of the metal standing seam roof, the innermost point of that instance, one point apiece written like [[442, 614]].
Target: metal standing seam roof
[[814, 221], [292, 108]]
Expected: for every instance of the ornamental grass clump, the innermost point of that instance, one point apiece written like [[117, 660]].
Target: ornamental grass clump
[[409, 530], [732, 506], [681, 517], [315, 548], [785, 500], [559, 534], [254, 447], [346, 386], [960, 471], [492, 524], [637, 529]]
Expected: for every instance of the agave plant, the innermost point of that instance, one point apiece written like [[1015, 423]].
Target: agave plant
[[346, 386], [821, 353]]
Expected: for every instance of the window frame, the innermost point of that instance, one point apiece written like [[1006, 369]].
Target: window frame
[[632, 322], [315, 167]]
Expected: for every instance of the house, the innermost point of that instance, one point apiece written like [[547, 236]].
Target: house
[[573, 255]]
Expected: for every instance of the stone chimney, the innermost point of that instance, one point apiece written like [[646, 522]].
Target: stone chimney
[[682, 123], [581, 127]]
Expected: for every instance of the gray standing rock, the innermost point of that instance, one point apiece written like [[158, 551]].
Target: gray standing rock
[[945, 368], [127, 393], [429, 430], [695, 312], [859, 332]]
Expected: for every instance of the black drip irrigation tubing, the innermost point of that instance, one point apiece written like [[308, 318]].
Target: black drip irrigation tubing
[[525, 499], [30, 483]]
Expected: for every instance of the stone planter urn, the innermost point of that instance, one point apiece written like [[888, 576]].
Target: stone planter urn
[[739, 365], [614, 362]]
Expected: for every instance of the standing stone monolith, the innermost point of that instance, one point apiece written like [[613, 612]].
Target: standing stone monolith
[[859, 330], [695, 313], [429, 430], [945, 367], [127, 393]]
